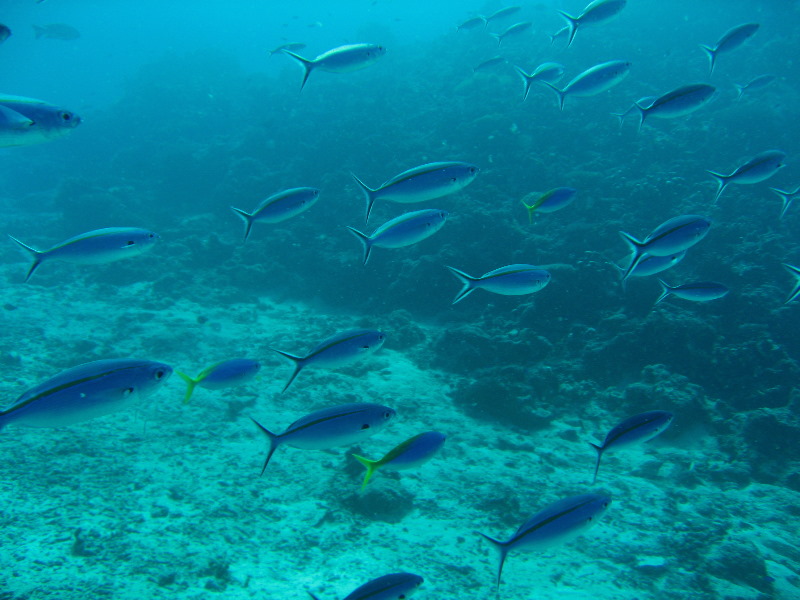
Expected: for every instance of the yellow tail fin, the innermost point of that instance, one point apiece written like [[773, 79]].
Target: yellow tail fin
[[190, 385], [371, 466]]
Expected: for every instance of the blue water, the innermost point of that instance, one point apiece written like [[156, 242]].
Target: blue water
[[185, 114]]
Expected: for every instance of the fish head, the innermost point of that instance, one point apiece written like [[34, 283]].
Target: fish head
[[375, 52], [385, 415], [140, 240], [67, 119], [151, 376], [540, 278], [373, 341], [461, 175]]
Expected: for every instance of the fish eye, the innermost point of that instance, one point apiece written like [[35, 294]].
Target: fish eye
[[472, 169], [159, 374], [151, 235], [65, 116], [130, 243], [365, 426], [387, 415], [128, 391], [453, 179]]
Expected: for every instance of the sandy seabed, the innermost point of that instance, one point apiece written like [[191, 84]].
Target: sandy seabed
[[166, 501]]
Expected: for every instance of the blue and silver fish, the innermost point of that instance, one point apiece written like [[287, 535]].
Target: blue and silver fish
[[549, 71], [337, 350], [412, 453], [94, 247], [671, 237], [405, 230], [221, 375], [48, 122], [420, 184], [633, 430], [699, 291], [342, 425], [512, 280], [730, 40], [389, 587], [472, 23], [278, 207], [489, 63], [787, 197], [759, 168], [650, 265], [677, 103], [503, 13], [343, 59], [593, 81], [87, 391], [550, 201], [756, 83], [795, 293], [595, 12], [558, 522], [291, 46], [512, 31]]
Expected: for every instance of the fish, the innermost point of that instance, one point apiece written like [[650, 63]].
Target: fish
[[756, 83], [56, 31], [278, 207], [633, 430], [593, 81], [420, 184], [595, 12], [700, 291], [412, 453], [672, 236], [550, 201], [49, 122], [511, 280], [651, 265], [86, 391], [336, 350], [472, 23], [490, 62], [677, 103], [514, 30], [292, 46], [759, 168], [795, 293], [405, 230], [344, 59], [503, 13], [341, 425], [388, 587], [220, 375], [556, 523], [11, 120], [730, 40], [5, 33], [94, 247], [786, 197], [548, 71]]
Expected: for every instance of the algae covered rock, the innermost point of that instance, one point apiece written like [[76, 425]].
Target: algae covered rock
[[739, 561]]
